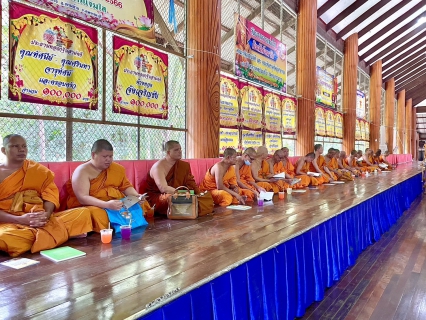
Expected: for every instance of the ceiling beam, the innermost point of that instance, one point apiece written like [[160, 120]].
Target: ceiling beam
[[345, 13], [325, 7], [362, 18], [415, 81], [414, 54], [419, 30], [382, 18], [421, 110], [407, 46], [414, 93], [421, 59], [403, 78], [392, 25]]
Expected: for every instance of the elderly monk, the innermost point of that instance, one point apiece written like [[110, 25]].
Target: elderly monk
[[341, 161], [29, 199], [318, 165], [221, 181], [261, 173], [302, 167], [290, 170], [99, 184], [244, 174], [333, 165], [166, 175]]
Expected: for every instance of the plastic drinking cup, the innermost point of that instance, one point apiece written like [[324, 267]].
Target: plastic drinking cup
[[281, 195], [126, 231], [289, 190], [260, 202], [106, 235]]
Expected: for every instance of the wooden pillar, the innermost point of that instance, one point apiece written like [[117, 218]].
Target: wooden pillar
[[401, 122], [350, 74], [390, 112], [203, 78], [375, 103], [414, 144], [306, 75], [408, 120]]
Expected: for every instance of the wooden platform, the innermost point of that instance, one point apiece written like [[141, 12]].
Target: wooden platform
[[118, 280]]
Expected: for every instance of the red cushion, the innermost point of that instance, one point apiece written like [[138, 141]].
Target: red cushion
[[293, 160], [141, 169], [130, 170]]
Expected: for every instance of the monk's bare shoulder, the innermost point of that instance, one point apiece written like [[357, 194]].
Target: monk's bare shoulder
[[85, 171], [159, 168]]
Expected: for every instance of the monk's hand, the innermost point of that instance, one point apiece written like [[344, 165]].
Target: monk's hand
[[34, 219], [260, 189], [273, 180], [114, 204], [240, 199]]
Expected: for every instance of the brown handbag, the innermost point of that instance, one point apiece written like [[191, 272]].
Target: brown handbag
[[182, 205]]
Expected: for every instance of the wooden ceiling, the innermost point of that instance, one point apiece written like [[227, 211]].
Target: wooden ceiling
[[390, 30]]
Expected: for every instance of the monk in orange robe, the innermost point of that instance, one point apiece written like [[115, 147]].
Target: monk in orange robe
[[100, 184], [290, 170], [381, 162], [382, 159], [343, 164], [166, 175], [244, 174], [261, 173], [221, 181], [333, 165], [29, 199], [352, 161], [303, 165], [318, 166], [368, 162]]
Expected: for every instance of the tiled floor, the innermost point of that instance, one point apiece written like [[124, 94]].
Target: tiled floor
[[388, 280]]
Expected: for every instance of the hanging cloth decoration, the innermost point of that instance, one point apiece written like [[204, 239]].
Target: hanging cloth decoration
[[172, 15]]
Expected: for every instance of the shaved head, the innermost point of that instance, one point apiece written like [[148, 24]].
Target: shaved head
[[170, 144], [250, 152], [262, 150], [100, 145], [7, 138], [229, 152]]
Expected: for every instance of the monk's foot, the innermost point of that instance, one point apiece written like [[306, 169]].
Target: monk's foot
[[83, 235]]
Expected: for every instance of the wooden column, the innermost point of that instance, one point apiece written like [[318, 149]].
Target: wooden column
[[375, 102], [414, 145], [390, 113], [408, 120], [350, 75], [306, 75], [203, 78], [401, 122]]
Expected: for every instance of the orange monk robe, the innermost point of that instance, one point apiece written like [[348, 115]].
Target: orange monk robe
[[290, 170], [369, 168], [222, 197], [179, 175], [264, 172], [344, 175], [321, 163], [279, 168], [24, 191], [381, 159], [313, 180], [108, 185], [246, 177], [346, 166]]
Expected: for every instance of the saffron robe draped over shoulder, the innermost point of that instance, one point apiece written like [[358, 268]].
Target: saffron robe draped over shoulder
[[344, 175], [222, 197], [24, 191], [306, 168], [108, 185], [179, 175], [246, 177], [290, 170], [321, 163], [265, 172]]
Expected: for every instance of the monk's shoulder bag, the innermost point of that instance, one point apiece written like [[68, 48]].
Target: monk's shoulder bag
[[184, 206]]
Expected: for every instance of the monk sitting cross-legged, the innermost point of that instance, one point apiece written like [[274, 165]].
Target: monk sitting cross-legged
[[352, 162], [261, 173], [367, 160], [276, 166], [221, 181], [333, 165], [290, 170], [344, 165], [303, 165], [379, 160], [166, 175], [318, 166], [99, 184], [383, 159], [244, 175], [29, 198]]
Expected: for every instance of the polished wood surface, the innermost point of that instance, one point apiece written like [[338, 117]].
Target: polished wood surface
[[408, 121], [390, 112], [306, 75], [203, 80], [350, 72], [375, 103], [118, 280], [388, 280], [400, 125]]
